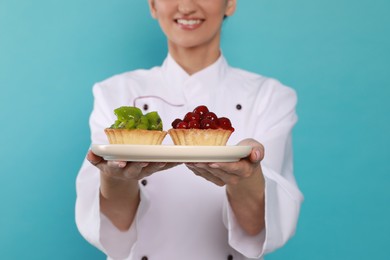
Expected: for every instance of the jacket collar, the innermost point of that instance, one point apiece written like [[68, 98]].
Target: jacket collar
[[210, 77]]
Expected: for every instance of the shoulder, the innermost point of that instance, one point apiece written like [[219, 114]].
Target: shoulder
[[128, 78], [120, 88], [259, 83]]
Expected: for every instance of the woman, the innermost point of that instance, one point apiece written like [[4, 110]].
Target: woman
[[238, 210]]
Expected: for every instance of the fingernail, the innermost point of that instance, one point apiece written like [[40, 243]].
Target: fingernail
[[121, 164], [257, 155], [118, 164], [161, 165], [214, 165], [144, 164]]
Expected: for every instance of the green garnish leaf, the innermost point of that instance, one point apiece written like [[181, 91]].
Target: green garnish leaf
[[133, 118], [155, 122]]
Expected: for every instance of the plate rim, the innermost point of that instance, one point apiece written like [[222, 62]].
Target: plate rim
[[172, 153]]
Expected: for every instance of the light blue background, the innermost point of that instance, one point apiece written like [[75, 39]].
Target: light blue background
[[334, 53]]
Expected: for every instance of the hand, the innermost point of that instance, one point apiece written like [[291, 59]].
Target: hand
[[121, 170], [119, 188], [232, 173], [245, 186]]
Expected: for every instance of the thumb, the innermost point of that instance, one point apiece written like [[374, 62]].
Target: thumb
[[256, 155]]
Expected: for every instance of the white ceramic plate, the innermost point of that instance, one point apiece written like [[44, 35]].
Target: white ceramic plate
[[170, 153]]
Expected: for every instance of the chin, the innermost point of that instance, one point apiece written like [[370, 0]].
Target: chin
[[191, 43]]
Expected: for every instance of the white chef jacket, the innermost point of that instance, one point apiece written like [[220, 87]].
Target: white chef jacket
[[182, 216]]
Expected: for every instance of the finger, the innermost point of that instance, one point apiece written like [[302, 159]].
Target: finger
[[206, 175], [93, 158], [152, 168], [157, 167], [113, 169], [227, 176], [234, 168], [256, 155], [210, 167], [213, 179], [241, 169], [134, 170], [117, 164], [170, 165]]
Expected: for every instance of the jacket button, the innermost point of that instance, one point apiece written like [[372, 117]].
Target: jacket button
[[144, 258], [230, 257], [146, 107], [144, 182], [239, 107]]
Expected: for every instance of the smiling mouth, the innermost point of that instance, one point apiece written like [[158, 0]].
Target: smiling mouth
[[188, 22]]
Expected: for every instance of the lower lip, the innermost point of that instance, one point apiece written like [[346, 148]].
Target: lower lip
[[189, 27]]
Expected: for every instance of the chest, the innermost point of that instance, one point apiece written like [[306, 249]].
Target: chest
[[226, 100]]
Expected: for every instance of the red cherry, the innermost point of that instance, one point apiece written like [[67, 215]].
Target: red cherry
[[201, 110], [211, 116], [194, 124], [182, 125], [175, 122], [208, 124], [191, 116], [224, 123]]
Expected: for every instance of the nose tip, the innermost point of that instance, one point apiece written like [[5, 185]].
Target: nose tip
[[187, 7]]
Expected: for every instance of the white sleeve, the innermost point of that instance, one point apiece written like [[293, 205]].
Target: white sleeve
[[282, 197], [94, 226]]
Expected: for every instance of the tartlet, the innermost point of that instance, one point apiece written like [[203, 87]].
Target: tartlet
[[133, 127], [201, 128]]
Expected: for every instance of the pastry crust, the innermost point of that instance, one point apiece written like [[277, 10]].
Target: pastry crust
[[135, 136], [206, 137]]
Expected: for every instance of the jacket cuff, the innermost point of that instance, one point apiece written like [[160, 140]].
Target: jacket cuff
[[118, 244], [249, 246], [282, 205]]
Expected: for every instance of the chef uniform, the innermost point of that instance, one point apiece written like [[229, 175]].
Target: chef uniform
[[182, 216]]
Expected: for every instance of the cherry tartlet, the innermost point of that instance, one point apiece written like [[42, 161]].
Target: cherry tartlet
[[201, 127]]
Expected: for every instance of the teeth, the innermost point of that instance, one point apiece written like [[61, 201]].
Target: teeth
[[188, 22]]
